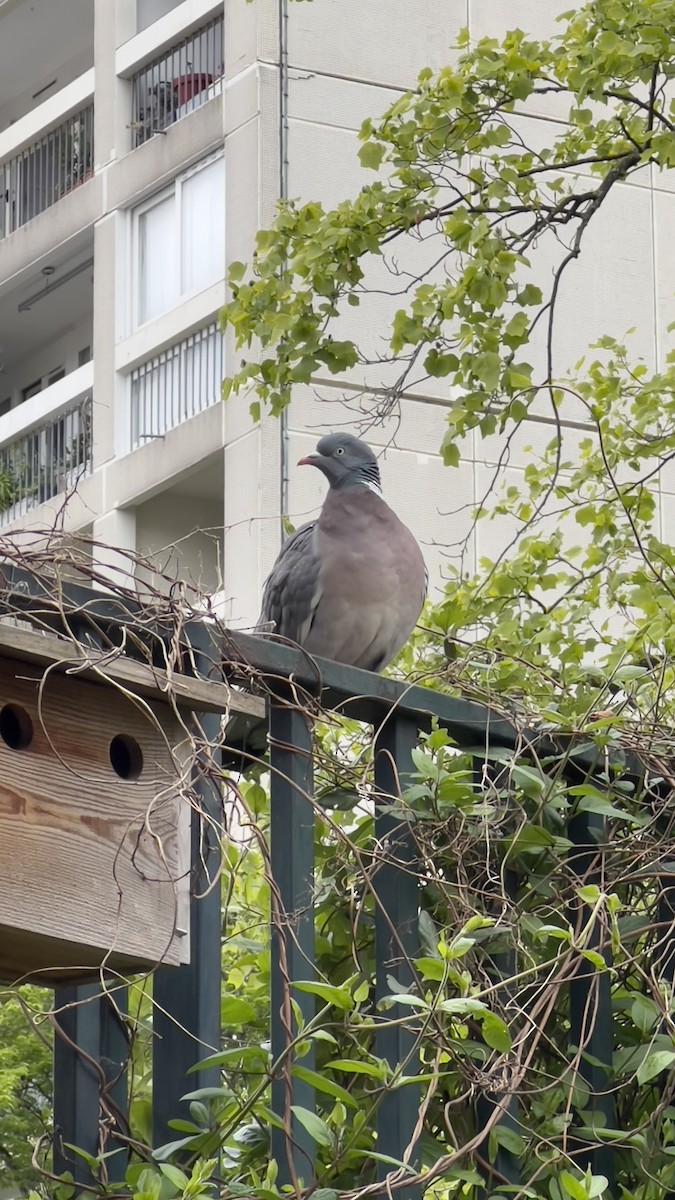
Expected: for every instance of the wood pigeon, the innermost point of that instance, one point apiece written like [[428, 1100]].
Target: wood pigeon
[[350, 585]]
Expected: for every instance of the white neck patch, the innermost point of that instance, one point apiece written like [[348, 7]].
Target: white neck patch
[[373, 487]]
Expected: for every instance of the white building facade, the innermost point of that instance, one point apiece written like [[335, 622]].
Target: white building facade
[[142, 144]]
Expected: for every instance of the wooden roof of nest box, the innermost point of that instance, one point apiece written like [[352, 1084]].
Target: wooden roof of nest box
[[94, 808]]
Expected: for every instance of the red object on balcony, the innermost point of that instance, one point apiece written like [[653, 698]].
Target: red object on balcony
[[187, 86]]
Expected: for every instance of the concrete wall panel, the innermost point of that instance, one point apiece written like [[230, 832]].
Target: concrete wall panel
[[383, 41], [182, 538], [344, 103], [664, 267]]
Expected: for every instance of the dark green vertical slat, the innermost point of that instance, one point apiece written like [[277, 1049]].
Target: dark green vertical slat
[[114, 1054], [396, 936], [292, 867], [505, 1164], [590, 995], [90, 1022], [500, 965], [186, 999], [665, 965]]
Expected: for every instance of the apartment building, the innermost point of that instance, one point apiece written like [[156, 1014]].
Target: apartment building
[[142, 144]]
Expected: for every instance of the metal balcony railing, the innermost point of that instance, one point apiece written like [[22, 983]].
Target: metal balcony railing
[[176, 384], [40, 174], [46, 461], [178, 81]]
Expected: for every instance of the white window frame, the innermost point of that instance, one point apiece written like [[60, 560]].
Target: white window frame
[[175, 189]]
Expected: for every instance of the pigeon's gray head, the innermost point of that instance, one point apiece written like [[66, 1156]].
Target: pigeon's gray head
[[345, 461]]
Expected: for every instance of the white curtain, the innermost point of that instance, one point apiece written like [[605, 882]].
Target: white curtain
[[203, 227], [157, 276]]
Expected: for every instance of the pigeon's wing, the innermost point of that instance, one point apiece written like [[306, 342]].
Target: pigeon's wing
[[292, 590]]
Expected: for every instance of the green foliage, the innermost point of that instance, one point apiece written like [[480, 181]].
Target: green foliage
[[455, 172], [504, 926], [9, 487], [25, 1084]]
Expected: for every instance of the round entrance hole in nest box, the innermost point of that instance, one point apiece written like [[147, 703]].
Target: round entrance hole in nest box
[[16, 727], [126, 756]]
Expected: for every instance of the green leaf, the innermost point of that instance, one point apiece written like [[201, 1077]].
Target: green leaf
[[487, 367], [654, 1064], [316, 1128], [323, 1084], [431, 968], [439, 365], [529, 295], [458, 947], [340, 997], [596, 959], [235, 1011], [496, 1033], [322, 1035], [554, 931], [208, 1093], [531, 839], [596, 803], [178, 1178], [373, 1156], [644, 1013], [528, 780], [509, 1139], [245, 1057], [357, 1066], [371, 155], [361, 992], [148, 1183], [169, 1149], [516, 329], [92, 1161], [236, 271], [462, 1006], [450, 451], [597, 1185], [408, 999], [573, 1186]]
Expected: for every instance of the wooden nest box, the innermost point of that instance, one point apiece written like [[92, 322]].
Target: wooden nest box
[[94, 811]]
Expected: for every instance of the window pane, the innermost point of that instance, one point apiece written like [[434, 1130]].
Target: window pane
[[32, 390], [203, 232], [157, 284]]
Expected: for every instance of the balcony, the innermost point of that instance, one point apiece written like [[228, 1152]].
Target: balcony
[[45, 444], [177, 81], [149, 11], [37, 171], [176, 384], [46, 48]]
